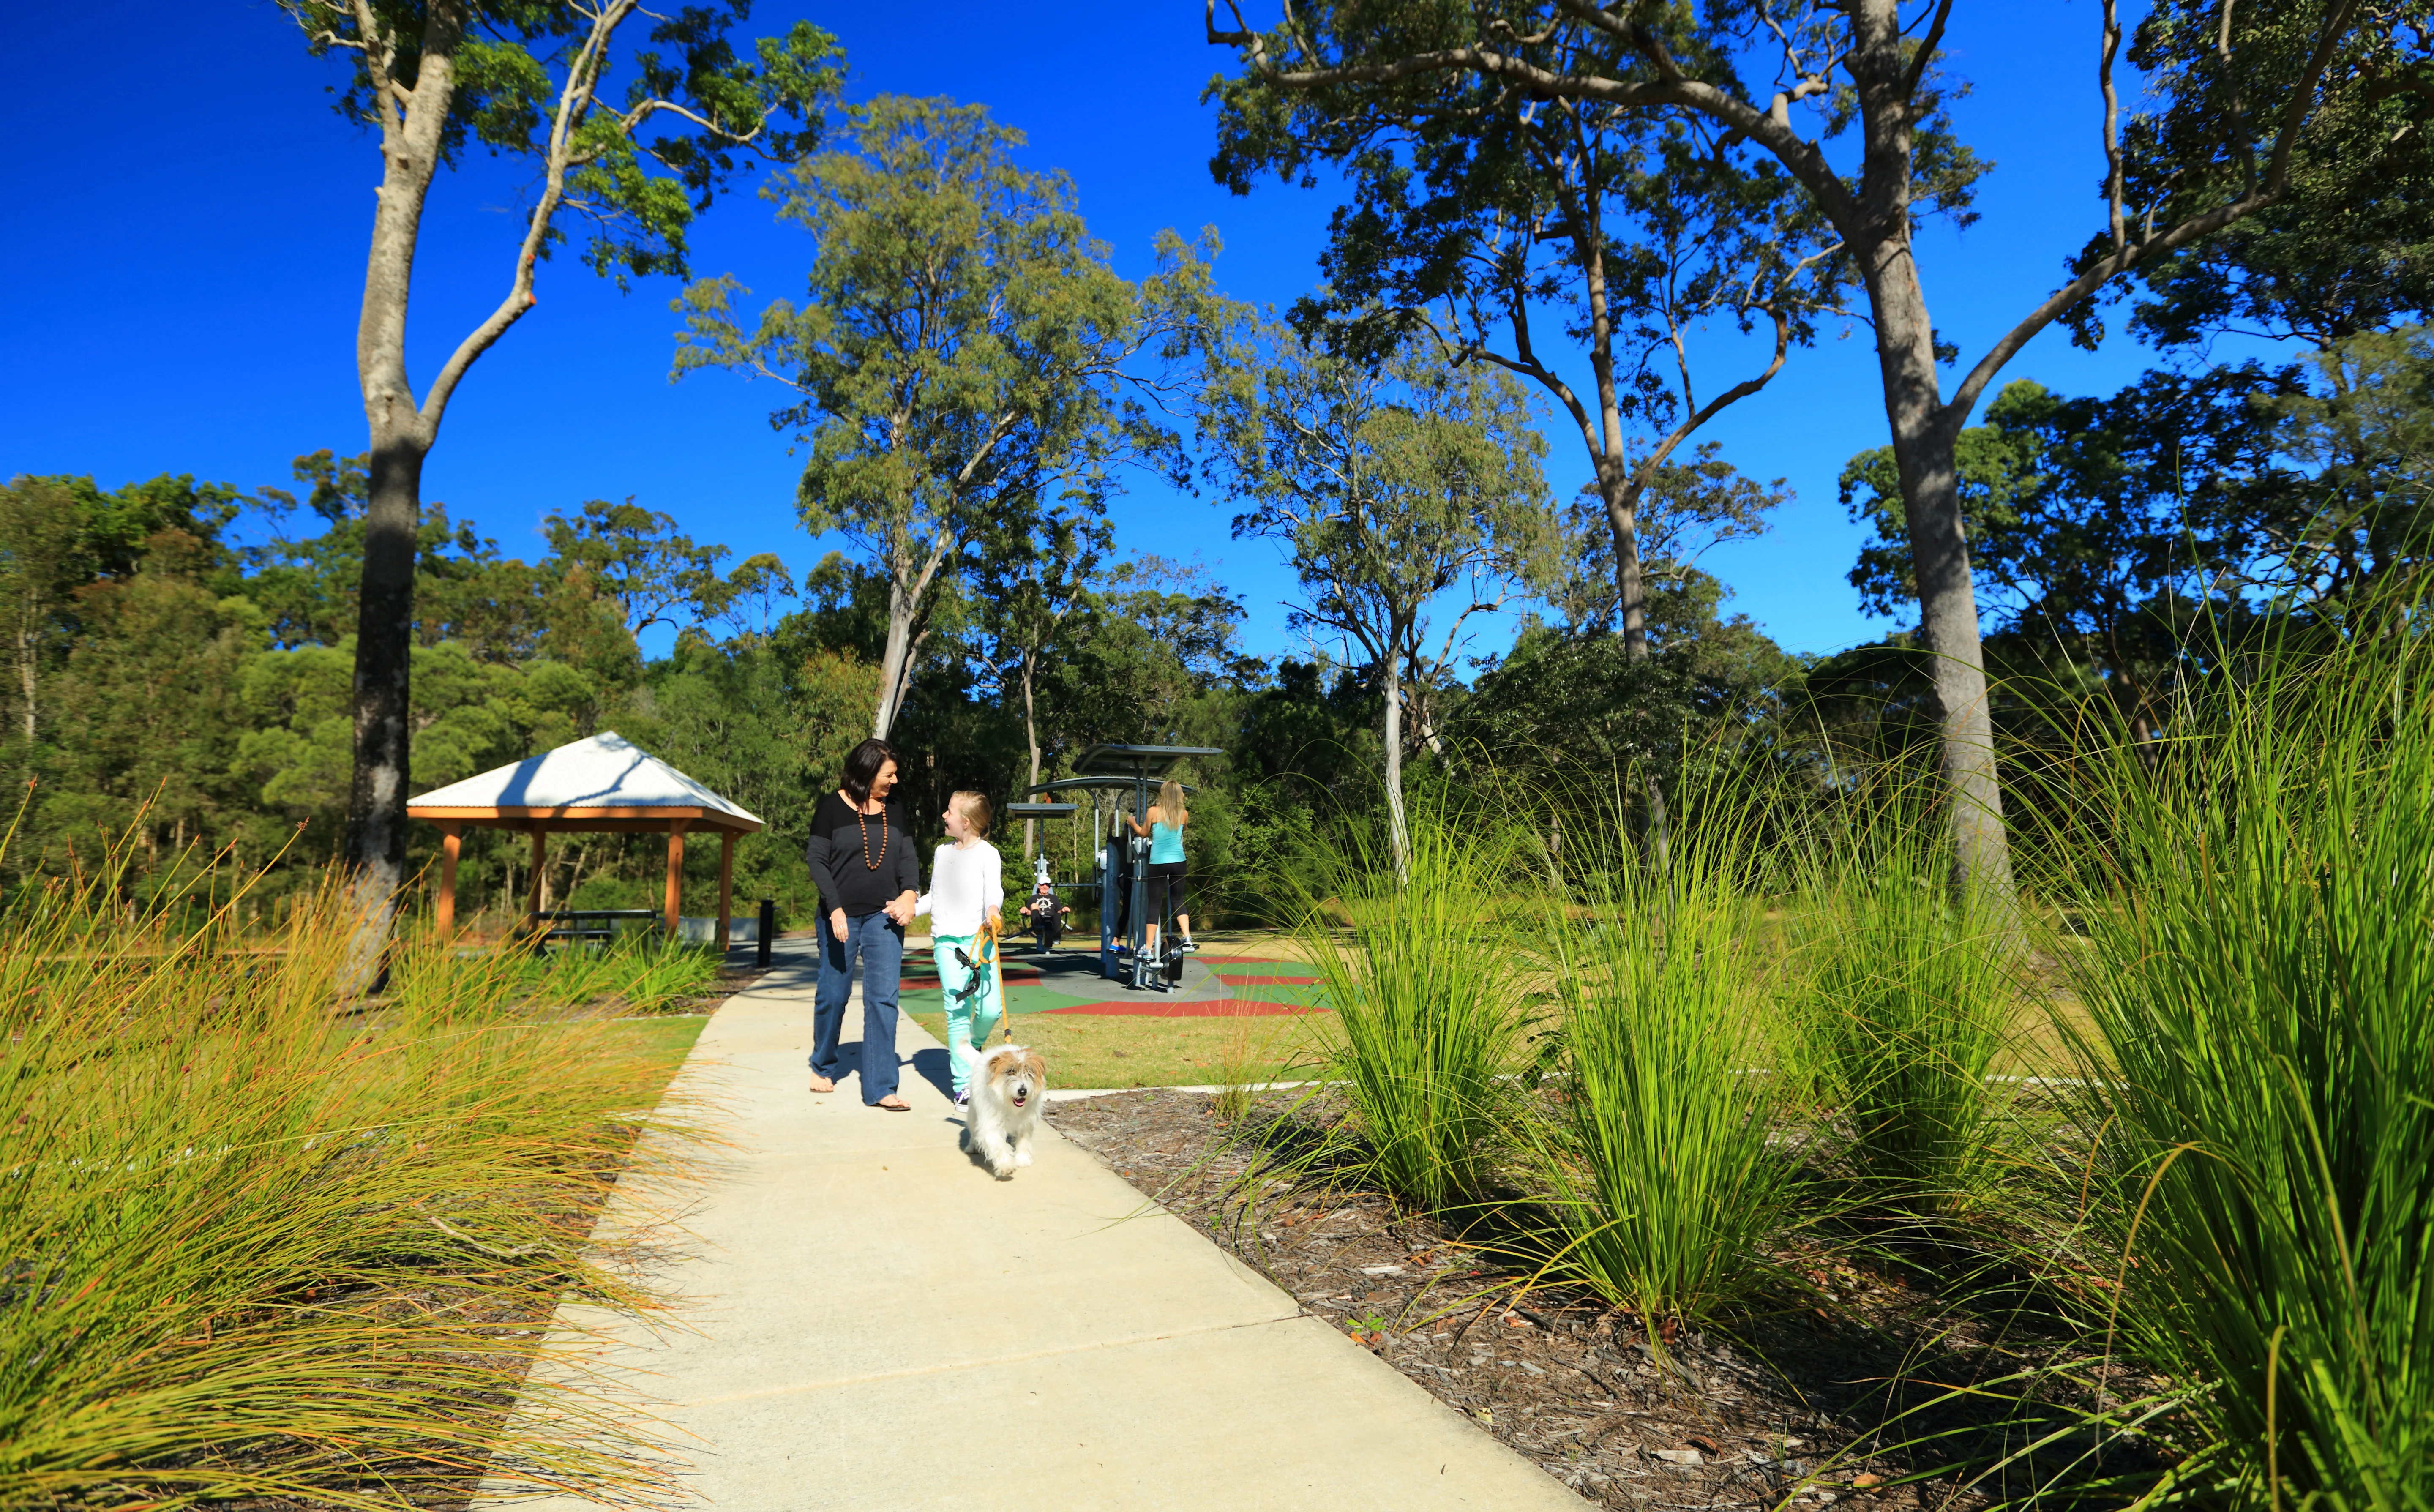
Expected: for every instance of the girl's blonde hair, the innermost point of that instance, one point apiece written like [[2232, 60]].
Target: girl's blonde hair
[[975, 810], [1170, 803]]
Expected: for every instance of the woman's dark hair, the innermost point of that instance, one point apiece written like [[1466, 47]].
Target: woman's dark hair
[[862, 766]]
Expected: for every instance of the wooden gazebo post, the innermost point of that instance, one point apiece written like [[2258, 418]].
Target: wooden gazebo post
[[601, 784], [726, 883], [451, 841], [676, 874], [539, 858]]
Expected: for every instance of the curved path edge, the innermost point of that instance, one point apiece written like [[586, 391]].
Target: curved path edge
[[873, 1321]]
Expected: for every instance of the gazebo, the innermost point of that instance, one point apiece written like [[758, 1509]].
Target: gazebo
[[606, 785]]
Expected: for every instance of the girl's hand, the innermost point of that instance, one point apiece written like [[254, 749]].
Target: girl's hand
[[836, 924], [996, 921]]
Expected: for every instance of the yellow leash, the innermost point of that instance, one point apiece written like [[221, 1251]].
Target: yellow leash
[[988, 938]]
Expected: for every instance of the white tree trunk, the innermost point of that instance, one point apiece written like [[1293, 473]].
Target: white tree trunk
[[1924, 437], [1031, 738], [894, 662]]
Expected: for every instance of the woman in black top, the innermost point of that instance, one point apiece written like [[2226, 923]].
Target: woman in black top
[[862, 860]]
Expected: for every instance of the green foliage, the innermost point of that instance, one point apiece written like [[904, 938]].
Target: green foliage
[[1571, 705], [963, 351], [1426, 988], [1897, 1005], [1388, 484], [2259, 1078], [2344, 250], [694, 110], [1656, 1169], [253, 1248], [2126, 543], [1477, 210]]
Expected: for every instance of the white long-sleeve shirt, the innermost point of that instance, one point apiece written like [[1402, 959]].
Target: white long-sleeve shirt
[[965, 881]]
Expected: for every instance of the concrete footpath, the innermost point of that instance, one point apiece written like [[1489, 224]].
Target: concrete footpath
[[878, 1323]]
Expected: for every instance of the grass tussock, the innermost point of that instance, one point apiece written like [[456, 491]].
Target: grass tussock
[[2261, 1068], [1425, 983], [252, 1245], [1895, 1005], [1658, 1169]]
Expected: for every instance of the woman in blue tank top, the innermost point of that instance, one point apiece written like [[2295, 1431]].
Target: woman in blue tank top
[[1167, 818]]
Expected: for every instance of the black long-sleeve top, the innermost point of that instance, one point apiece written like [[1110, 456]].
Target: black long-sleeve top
[[859, 862]]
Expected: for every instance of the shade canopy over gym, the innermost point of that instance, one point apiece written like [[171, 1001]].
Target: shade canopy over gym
[[606, 785]]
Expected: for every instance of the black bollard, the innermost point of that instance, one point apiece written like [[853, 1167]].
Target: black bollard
[[769, 928]]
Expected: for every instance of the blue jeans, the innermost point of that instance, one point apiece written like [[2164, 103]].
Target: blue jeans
[[879, 942]]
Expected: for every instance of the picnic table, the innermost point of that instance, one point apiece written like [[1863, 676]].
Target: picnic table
[[544, 926]]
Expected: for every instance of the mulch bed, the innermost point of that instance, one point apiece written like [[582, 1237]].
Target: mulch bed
[[1792, 1411]]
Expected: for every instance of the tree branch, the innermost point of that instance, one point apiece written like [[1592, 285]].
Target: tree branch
[[1771, 130], [1926, 49], [574, 102], [377, 55], [2112, 126], [2275, 186], [1729, 397]]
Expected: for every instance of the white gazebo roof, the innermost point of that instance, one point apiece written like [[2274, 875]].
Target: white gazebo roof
[[606, 781]]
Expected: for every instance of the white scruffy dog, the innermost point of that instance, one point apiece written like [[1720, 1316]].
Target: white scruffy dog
[[1003, 1114]]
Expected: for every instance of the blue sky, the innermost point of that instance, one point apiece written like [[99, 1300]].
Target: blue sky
[[178, 291]]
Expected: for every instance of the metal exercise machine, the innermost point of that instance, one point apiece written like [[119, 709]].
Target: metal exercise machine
[[1047, 924], [1124, 861]]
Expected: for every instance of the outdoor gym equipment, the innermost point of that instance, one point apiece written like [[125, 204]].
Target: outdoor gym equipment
[[1124, 861], [1041, 913]]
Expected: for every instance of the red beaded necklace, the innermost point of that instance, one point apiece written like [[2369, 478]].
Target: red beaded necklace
[[864, 830]]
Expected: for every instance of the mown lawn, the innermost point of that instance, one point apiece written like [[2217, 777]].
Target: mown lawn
[[1087, 1050]]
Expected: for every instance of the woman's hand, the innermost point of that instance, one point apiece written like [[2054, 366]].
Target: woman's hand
[[836, 924], [900, 907]]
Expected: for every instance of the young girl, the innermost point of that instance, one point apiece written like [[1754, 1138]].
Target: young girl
[[1164, 832], [966, 888]]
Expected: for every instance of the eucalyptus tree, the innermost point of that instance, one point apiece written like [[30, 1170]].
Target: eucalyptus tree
[[963, 346], [1852, 112], [530, 80], [1390, 482], [657, 574], [1533, 232], [1036, 574]]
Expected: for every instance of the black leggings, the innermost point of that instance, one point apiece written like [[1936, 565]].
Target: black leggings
[[1165, 882]]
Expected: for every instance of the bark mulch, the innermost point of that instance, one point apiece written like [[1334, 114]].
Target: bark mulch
[[1794, 1407]]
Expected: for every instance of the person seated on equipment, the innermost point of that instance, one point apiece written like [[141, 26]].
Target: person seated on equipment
[[1045, 916], [1164, 832]]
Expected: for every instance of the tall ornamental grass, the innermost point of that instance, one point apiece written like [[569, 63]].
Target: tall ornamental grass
[[1895, 1005], [640, 971], [252, 1245], [2260, 1069], [1657, 1171], [1420, 965]]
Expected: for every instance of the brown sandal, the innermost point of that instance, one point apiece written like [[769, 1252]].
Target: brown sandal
[[894, 1104]]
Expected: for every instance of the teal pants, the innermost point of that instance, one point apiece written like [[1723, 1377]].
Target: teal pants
[[969, 1019]]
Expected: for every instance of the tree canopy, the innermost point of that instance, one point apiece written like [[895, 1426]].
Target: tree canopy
[[962, 349]]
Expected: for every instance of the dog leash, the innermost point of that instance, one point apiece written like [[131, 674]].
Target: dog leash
[[997, 977], [988, 959]]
